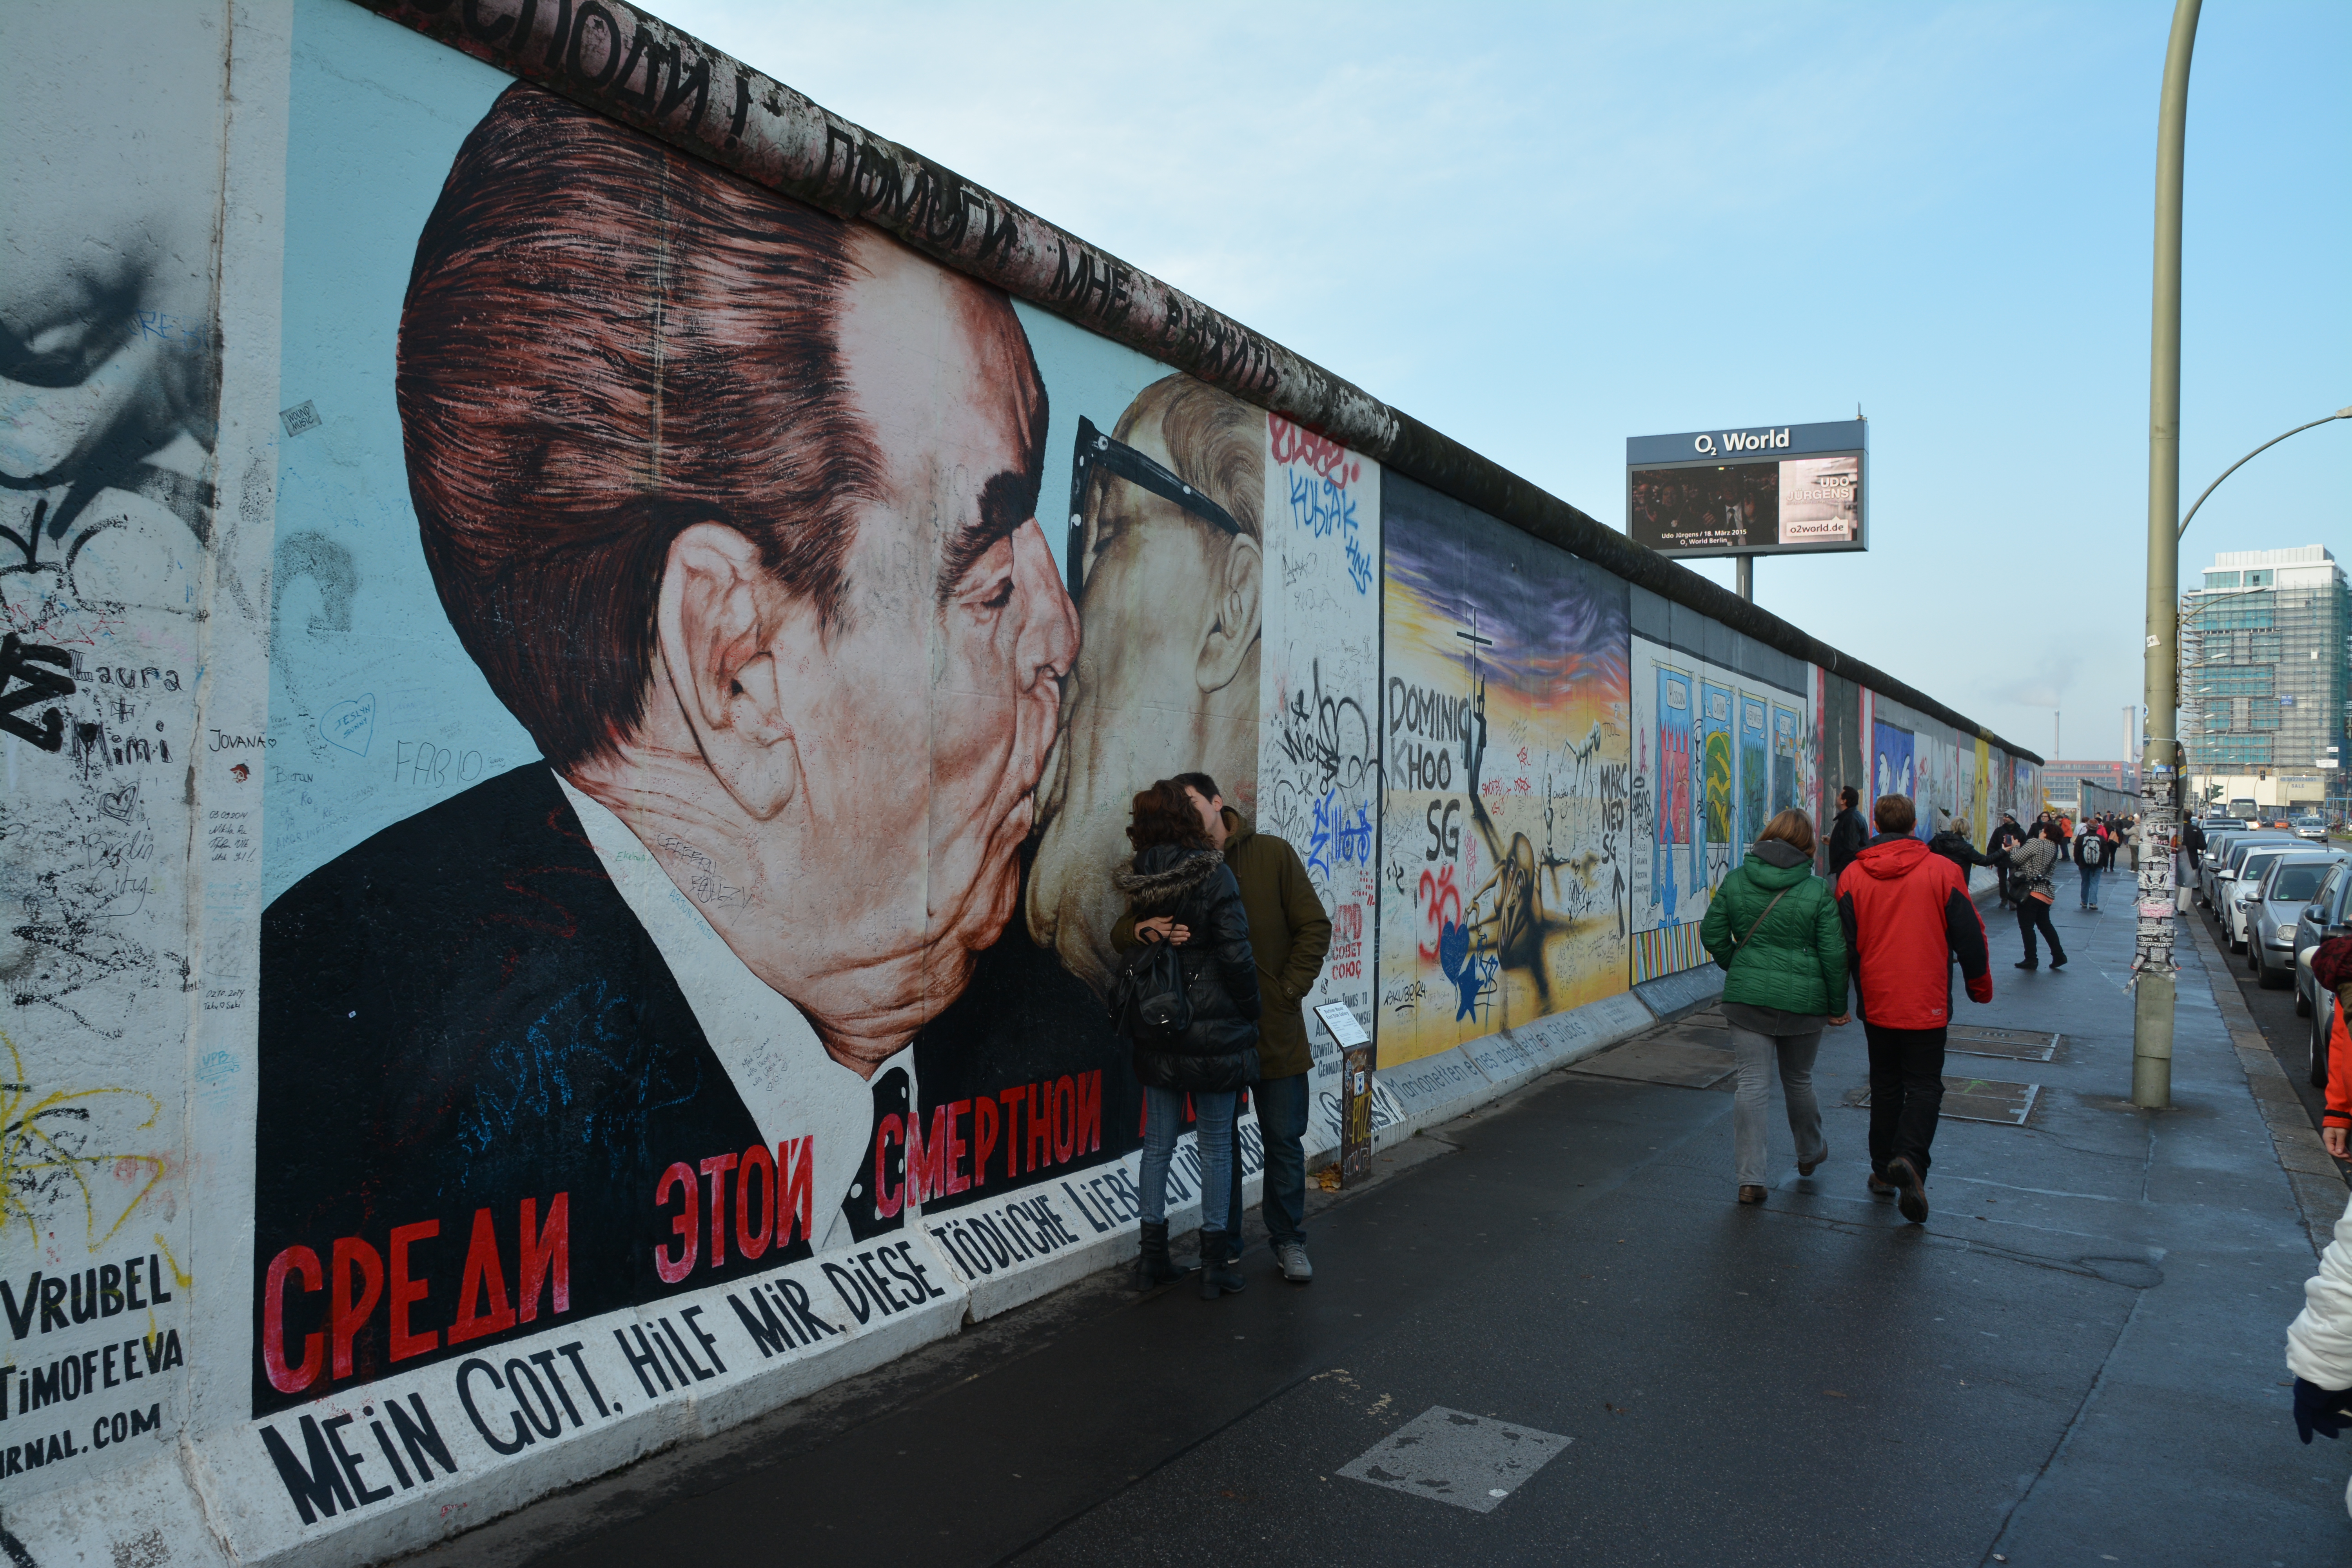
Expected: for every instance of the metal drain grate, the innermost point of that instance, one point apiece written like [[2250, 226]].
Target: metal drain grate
[[1980, 1099], [2013, 1045]]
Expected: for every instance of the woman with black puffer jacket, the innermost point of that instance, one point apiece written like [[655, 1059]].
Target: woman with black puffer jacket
[[1176, 873]]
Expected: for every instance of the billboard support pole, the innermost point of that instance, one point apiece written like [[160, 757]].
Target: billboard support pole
[[2152, 957], [1745, 577]]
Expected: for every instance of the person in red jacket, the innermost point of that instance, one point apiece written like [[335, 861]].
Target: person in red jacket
[[2331, 965], [1907, 918]]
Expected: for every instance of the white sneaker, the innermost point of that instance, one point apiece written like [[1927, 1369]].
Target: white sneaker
[[1292, 1257]]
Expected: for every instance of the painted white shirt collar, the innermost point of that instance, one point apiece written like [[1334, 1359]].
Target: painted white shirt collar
[[791, 1086]]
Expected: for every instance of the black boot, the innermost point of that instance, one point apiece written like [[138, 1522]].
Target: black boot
[[1153, 1266], [1217, 1272]]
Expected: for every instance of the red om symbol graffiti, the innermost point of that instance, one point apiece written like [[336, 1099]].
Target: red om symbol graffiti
[[1439, 902]]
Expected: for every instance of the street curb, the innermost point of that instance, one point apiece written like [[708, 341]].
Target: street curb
[[2319, 1189]]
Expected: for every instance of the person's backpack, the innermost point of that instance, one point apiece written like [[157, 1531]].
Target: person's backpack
[[1149, 1001]]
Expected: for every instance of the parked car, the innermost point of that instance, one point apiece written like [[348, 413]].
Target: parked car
[[2245, 887], [2312, 827], [2326, 915], [2221, 863], [2286, 889], [2323, 1020]]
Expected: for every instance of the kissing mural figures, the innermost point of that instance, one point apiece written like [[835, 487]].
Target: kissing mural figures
[[724, 513]]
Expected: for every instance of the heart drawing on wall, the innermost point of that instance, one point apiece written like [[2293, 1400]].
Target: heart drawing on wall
[[349, 724]]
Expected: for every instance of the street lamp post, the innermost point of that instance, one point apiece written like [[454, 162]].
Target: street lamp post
[[2345, 413], [2152, 960]]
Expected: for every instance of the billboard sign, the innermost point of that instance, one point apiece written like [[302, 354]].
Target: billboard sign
[[1772, 490]]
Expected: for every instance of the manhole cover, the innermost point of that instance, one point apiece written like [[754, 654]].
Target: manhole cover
[[1984, 1099], [1470, 1461], [2013, 1045]]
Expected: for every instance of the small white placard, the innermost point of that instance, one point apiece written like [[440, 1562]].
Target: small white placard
[[1342, 1023]]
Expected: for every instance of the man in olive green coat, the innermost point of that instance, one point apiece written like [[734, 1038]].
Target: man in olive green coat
[[1289, 933], [1773, 926]]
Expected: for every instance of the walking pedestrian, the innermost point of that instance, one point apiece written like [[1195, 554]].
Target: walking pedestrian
[[1773, 928], [2029, 864], [2319, 1342], [1847, 834], [2192, 839], [1178, 873], [1953, 845], [2090, 850], [1907, 918], [1289, 933], [2008, 834]]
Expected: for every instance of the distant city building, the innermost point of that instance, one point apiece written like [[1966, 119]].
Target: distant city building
[[2266, 676], [2062, 785]]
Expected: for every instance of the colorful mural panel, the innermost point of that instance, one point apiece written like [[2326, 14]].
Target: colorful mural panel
[[1754, 746], [1506, 849]]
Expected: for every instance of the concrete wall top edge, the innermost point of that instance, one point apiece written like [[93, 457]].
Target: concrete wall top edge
[[647, 73]]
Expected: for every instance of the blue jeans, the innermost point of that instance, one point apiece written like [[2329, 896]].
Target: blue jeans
[[2091, 887], [1163, 1119], [1282, 1126]]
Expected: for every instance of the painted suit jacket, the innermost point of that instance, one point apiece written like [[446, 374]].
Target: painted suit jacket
[[458, 1015]]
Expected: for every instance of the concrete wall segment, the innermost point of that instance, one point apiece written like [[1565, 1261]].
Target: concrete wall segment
[[244, 580], [628, 63]]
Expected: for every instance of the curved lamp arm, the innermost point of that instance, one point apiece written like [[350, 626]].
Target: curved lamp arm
[[2339, 414]]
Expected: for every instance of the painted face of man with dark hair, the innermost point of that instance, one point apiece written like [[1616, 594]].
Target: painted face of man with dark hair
[[861, 789]]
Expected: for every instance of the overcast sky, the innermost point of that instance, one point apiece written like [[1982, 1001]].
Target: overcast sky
[[1543, 229]]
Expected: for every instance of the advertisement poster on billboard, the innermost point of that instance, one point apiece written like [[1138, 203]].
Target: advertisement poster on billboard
[[1790, 489]]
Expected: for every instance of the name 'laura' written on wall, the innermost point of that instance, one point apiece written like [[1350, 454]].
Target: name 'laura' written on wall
[[49, 1302]]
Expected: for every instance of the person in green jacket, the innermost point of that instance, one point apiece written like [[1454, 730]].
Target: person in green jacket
[[1773, 928]]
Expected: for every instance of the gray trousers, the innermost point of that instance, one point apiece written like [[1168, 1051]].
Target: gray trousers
[[1754, 1053]]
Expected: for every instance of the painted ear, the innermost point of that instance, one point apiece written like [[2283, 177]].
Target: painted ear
[[1233, 629], [725, 631]]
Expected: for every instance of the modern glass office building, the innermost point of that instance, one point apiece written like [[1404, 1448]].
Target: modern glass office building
[[2265, 677]]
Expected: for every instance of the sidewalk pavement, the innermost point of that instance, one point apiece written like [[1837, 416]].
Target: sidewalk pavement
[[2077, 1359]]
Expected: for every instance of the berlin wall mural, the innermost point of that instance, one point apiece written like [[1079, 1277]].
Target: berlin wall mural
[[1504, 848], [1716, 752], [567, 722]]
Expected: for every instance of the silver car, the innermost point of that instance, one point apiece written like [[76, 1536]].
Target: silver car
[[2323, 917], [2209, 861], [2222, 868], [2243, 889], [2311, 827], [2287, 890]]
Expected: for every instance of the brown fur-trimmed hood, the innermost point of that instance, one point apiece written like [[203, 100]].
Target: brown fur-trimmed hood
[[1171, 883]]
